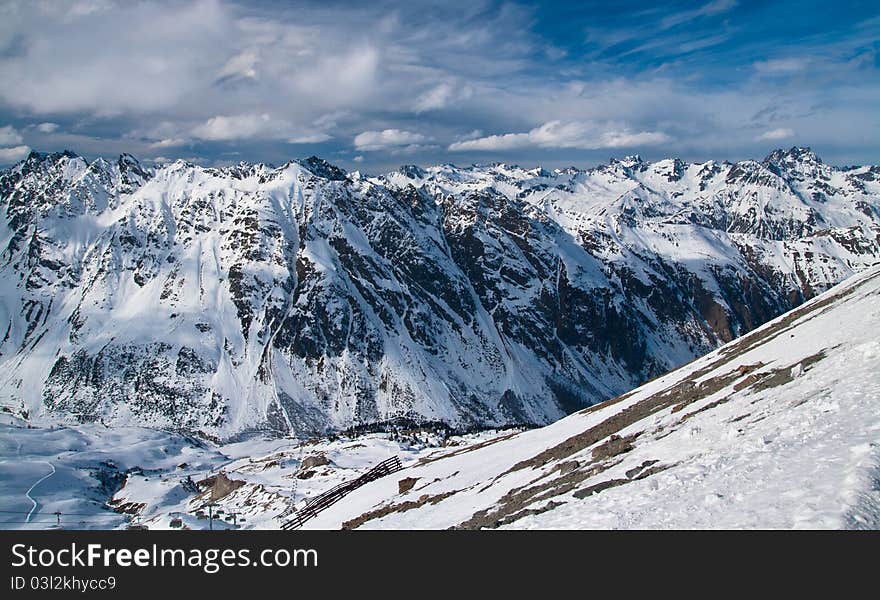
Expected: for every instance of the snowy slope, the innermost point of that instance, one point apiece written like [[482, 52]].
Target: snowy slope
[[301, 299], [780, 428]]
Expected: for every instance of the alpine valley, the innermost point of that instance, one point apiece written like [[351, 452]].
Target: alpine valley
[[303, 299]]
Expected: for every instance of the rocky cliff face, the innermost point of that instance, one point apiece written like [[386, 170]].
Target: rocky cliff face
[[303, 298]]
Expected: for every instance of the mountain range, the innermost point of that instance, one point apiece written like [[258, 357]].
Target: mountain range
[[302, 299]]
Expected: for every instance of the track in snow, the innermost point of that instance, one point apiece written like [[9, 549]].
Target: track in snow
[[31, 489]]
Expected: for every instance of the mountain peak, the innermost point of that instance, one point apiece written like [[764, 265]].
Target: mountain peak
[[321, 168], [40, 156], [127, 158], [630, 161], [131, 169], [412, 171], [794, 155]]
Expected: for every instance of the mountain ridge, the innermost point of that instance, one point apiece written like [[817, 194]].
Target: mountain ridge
[[302, 298]]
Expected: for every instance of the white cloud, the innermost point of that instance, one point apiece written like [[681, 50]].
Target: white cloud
[[627, 139], [508, 141], [582, 135], [241, 65], [47, 127], [435, 98], [254, 126], [9, 136], [476, 133], [781, 65], [775, 134], [11, 155], [441, 96], [131, 57], [236, 127], [386, 139], [716, 7], [168, 143], [79, 8], [147, 57], [358, 158], [310, 138]]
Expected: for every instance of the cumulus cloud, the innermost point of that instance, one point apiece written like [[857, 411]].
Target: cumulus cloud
[[387, 139], [156, 56], [9, 136], [63, 63], [212, 67], [223, 128], [235, 127], [15, 154], [559, 134], [776, 134]]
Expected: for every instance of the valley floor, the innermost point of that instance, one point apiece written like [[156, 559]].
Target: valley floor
[[102, 478]]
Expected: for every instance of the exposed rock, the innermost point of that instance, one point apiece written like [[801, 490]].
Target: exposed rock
[[316, 460], [614, 446], [218, 486], [406, 484]]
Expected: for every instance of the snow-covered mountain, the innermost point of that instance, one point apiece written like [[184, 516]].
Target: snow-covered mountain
[[301, 298], [779, 428]]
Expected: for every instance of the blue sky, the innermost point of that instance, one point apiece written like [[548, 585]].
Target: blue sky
[[374, 85]]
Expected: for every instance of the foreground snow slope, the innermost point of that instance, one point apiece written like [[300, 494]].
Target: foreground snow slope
[[779, 428]]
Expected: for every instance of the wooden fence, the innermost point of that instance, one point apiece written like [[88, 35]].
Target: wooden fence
[[335, 494]]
